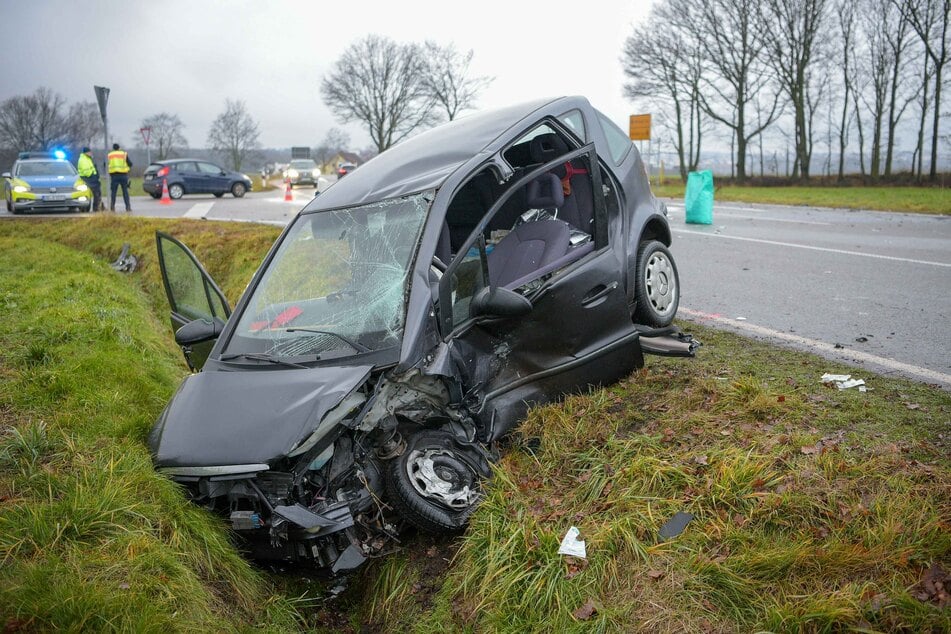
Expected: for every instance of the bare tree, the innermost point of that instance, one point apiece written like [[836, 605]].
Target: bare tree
[[379, 83], [447, 81], [846, 28], [664, 68], [876, 64], [929, 18], [167, 134], [898, 37], [335, 141], [794, 51], [234, 134], [732, 41], [84, 123], [35, 122]]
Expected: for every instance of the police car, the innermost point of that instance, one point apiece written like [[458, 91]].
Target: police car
[[44, 180]]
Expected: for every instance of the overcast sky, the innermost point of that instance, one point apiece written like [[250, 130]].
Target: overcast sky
[[187, 56]]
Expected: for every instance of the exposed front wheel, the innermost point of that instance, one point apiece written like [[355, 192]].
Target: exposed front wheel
[[657, 285], [436, 483], [238, 190], [175, 191]]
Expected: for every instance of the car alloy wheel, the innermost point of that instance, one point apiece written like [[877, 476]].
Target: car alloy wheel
[[176, 191], [238, 190], [658, 285]]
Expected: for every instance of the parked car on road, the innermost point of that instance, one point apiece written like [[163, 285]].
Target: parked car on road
[[193, 176], [41, 181], [406, 320], [302, 172]]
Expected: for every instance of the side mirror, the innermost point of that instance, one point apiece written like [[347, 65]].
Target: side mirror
[[499, 302], [198, 331], [5, 175]]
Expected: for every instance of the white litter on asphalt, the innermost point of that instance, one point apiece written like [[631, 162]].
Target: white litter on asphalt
[[571, 545]]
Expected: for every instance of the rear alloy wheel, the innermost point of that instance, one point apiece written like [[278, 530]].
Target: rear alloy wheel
[[657, 285], [219, 194], [238, 190], [436, 483], [175, 191], [156, 195]]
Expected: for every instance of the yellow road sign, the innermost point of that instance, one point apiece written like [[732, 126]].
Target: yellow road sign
[[640, 129]]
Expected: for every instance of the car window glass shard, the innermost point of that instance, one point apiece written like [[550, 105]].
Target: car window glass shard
[[337, 282]]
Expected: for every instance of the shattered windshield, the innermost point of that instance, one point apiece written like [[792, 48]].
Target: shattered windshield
[[336, 285]]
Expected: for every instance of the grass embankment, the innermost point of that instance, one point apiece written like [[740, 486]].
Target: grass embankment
[[815, 510], [91, 539], [927, 200]]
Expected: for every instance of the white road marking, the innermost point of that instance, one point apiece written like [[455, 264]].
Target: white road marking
[[766, 218], [199, 210], [891, 364], [812, 248]]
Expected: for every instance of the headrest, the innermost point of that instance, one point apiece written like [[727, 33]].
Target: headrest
[[547, 147], [545, 192]]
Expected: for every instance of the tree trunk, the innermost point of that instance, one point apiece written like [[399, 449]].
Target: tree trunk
[[933, 172]]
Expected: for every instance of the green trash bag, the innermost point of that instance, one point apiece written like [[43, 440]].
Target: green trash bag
[[698, 199]]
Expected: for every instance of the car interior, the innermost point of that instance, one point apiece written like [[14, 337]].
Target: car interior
[[543, 226]]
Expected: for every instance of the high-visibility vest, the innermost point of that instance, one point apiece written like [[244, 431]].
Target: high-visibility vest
[[118, 163], [86, 166]]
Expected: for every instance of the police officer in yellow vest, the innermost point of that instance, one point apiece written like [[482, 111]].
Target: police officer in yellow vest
[[90, 175], [119, 165]]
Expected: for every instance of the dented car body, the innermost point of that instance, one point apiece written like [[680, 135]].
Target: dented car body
[[406, 320]]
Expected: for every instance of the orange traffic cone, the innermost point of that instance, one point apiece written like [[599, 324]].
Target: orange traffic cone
[[166, 199], [288, 196]]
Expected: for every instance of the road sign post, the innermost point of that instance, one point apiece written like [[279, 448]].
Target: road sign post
[[146, 133], [102, 98]]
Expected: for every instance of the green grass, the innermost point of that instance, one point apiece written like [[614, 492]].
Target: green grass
[[928, 200], [91, 538], [814, 510]]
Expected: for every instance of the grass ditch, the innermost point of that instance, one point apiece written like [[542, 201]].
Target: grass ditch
[[814, 509], [925, 200]]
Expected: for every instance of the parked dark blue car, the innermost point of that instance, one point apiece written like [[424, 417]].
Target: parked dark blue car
[[193, 176]]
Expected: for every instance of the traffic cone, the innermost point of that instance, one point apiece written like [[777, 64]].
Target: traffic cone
[[288, 196], [166, 199]]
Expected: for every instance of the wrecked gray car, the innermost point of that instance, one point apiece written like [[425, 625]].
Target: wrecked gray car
[[406, 320]]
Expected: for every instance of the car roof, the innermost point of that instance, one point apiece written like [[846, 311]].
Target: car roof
[[426, 160], [41, 160]]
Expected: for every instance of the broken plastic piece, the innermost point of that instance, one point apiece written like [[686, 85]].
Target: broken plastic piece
[[126, 262], [571, 545], [675, 525]]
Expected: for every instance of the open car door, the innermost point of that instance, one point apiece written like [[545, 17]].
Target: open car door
[[199, 309]]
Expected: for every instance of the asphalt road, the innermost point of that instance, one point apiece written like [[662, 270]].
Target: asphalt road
[[872, 289]]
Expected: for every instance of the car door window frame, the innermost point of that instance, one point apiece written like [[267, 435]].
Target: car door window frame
[[477, 237], [208, 283]]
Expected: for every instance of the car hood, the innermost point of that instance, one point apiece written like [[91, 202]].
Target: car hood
[[247, 417], [50, 181]]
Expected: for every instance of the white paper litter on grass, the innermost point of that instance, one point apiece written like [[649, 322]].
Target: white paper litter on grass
[[571, 545], [844, 385], [835, 378]]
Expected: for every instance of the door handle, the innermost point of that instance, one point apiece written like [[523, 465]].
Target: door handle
[[599, 292]]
